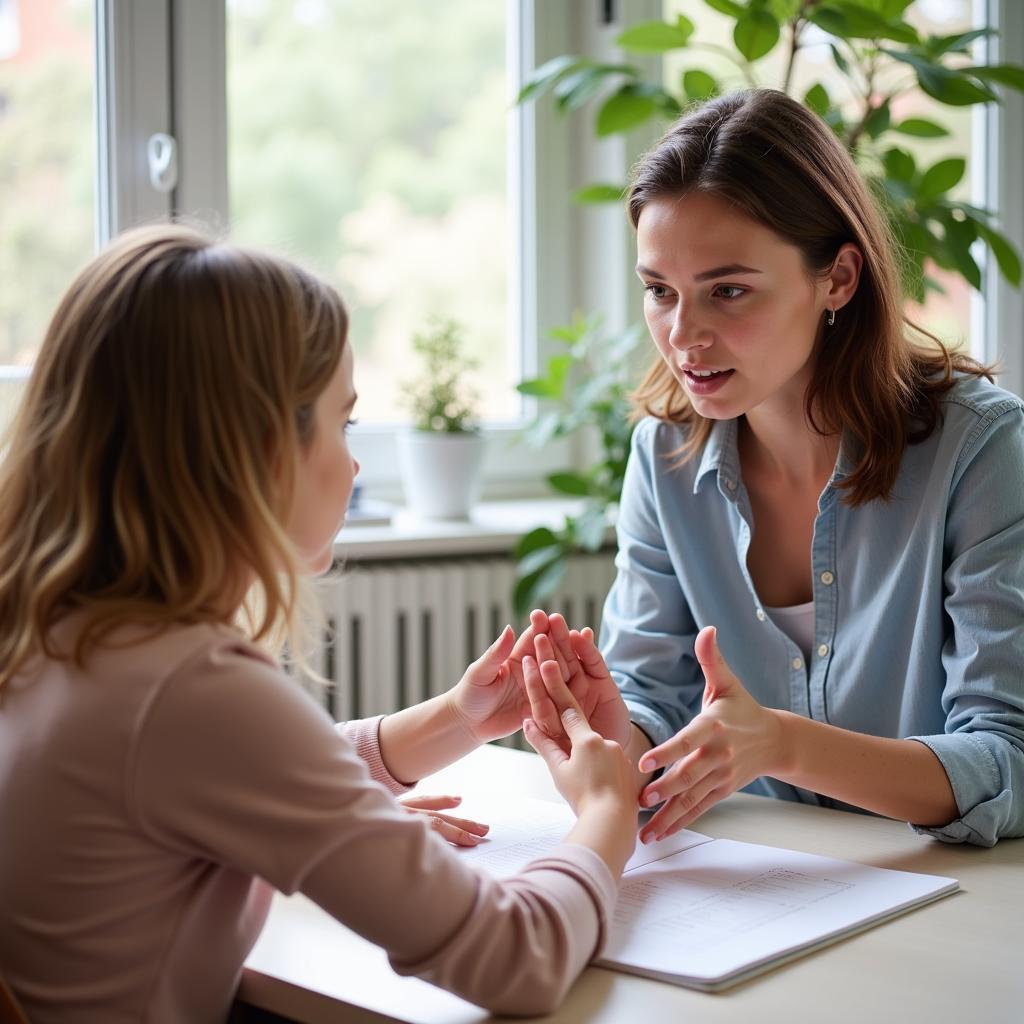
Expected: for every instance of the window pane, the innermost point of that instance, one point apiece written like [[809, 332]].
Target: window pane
[[47, 171], [368, 141], [946, 315]]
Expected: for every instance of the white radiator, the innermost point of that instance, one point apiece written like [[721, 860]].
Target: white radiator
[[399, 632]]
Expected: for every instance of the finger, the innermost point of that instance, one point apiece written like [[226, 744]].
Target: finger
[[685, 807], [702, 808], [418, 802], [561, 643], [717, 673], [554, 683], [585, 648], [687, 740], [553, 754], [452, 833], [680, 778], [542, 708], [487, 666], [477, 828], [524, 645]]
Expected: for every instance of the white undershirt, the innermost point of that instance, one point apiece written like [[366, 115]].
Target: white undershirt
[[797, 622]]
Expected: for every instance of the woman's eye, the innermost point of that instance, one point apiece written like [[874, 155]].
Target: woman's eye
[[656, 291], [729, 291], [349, 424]]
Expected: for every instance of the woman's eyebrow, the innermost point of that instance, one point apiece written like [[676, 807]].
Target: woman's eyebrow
[[704, 275]]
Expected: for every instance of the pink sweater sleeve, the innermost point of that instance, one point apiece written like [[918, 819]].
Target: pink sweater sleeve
[[273, 790]]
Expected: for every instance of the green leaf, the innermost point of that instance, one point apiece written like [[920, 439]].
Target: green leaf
[[817, 99], [940, 178], [920, 128], [548, 73], [626, 109], [699, 85], [570, 483], [1006, 256], [578, 86], [878, 120], [855, 21], [532, 590], [734, 10], [841, 62], [541, 537], [656, 36], [899, 164], [938, 45], [943, 84], [599, 193], [756, 34], [1004, 74], [957, 242], [538, 559]]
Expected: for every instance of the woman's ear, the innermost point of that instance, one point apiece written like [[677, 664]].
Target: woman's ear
[[845, 275]]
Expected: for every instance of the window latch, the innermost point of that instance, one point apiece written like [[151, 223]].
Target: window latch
[[162, 155]]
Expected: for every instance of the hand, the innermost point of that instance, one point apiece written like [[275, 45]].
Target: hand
[[588, 679], [490, 698], [729, 744], [587, 769], [459, 831]]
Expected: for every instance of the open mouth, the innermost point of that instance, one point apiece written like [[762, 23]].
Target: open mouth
[[703, 382]]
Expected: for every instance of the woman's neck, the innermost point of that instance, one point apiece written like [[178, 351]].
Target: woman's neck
[[779, 443]]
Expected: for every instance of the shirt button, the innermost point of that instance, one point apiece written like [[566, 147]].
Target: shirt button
[[798, 663], [827, 578], [760, 615], [731, 484], [823, 650]]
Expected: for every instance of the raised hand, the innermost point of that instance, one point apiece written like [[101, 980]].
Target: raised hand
[[459, 831], [729, 744], [587, 677]]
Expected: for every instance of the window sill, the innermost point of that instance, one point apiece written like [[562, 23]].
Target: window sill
[[494, 526]]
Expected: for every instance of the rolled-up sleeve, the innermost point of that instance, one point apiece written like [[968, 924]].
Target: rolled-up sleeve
[[647, 628], [982, 748]]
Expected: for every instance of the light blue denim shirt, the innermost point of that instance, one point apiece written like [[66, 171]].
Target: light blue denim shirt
[[918, 602]]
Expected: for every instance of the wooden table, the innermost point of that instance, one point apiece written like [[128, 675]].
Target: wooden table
[[958, 960]]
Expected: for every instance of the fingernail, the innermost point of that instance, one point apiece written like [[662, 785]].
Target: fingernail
[[652, 798], [646, 837], [648, 764]]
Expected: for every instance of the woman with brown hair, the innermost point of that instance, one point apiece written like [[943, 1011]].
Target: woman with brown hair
[[180, 457], [820, 589]]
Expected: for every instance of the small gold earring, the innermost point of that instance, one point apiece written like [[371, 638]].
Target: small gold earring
[[831, 319]]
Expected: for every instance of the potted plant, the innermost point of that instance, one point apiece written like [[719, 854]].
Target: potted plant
[[441, 455]]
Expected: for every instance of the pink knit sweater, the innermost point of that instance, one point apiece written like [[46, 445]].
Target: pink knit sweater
[[150, 803]]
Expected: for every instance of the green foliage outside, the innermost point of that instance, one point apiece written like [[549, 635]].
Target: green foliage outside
[[439, 398], [882, 58]]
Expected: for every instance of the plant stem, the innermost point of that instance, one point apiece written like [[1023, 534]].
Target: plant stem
[[796, 26]]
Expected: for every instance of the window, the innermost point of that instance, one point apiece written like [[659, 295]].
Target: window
[[369, 141], [47, 176]]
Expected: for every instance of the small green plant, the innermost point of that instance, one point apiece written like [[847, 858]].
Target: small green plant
[[586, 385], [439, 398]]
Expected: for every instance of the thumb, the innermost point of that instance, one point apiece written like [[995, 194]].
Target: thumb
[[486, 667], [719, 679]]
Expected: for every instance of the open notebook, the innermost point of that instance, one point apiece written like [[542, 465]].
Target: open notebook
[[706, 912]]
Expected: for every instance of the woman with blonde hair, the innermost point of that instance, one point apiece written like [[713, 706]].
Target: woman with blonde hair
[[820, 589], [180, 448]]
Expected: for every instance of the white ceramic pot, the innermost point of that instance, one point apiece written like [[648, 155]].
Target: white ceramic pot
[[440, 472]]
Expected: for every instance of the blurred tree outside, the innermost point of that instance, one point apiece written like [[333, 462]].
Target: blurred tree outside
[[369, 141], [47, 173]]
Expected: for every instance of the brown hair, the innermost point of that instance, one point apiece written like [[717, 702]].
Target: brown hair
[[150, 466], [781, 165]]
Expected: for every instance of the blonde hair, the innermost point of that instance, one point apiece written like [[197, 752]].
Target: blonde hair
[[150, 467], [780, 164]]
